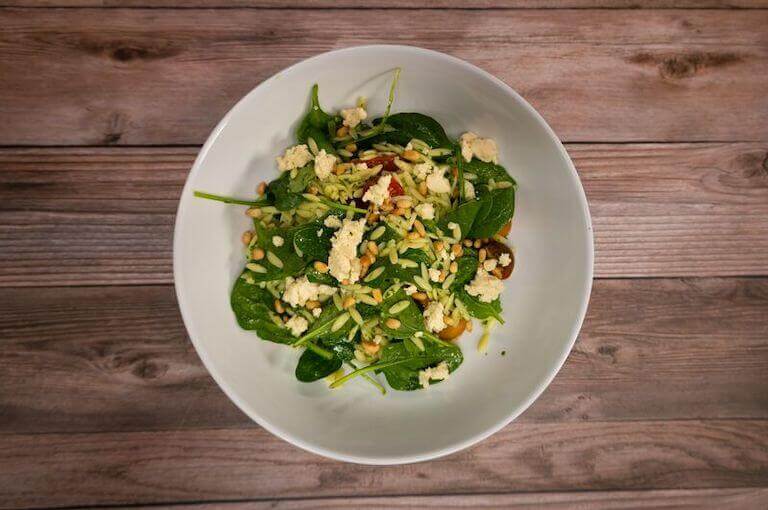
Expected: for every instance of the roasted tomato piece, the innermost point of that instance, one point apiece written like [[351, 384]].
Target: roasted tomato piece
[[387, 161], [395, 189], [453, 332], [505, 229], [495, 249]]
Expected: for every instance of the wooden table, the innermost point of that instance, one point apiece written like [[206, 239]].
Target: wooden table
[[664, 399]]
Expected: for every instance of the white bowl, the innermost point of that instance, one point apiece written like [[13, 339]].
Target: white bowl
[[544, 302]]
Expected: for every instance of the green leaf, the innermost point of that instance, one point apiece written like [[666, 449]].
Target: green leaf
[[252, 306], [411, 320], [312, 366], [405, 360], [293, 265], [321, 140], [315, 276], [414, 125], [321, 328], [304, 176], [484, 216], [463, 215], [280, 195], [479, 309], [467, 267], [312, 246], [486, 171], [315, 118]]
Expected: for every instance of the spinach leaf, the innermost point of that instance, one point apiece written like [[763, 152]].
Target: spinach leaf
[[252, 305], [315, 276], [312, 246], [304, 176], [345, 351], [280, 195], [322, 327], [486, 171], [411, 320], [408, 126], [312, 366], [315, 118], [478, 309], [405, 360], [395, 272], [483, 217], [321, 140], [292, 264], [467, 268]]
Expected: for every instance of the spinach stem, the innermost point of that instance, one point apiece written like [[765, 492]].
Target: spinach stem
[[459, 172], [341, 207], [433, 338], [319, 350], [381, 126], [370, 379], [364, 370], [226, 200]]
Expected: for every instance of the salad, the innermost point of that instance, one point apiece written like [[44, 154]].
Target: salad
[[376, 247]]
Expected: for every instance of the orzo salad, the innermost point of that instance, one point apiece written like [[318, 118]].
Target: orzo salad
[[379, 244]]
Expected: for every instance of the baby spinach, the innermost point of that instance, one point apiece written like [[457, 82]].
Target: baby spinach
[[280, 195], [322, 327], [315, 119], [395, 272], [410, 125], [252, 306], [401, 362], [484, 216], [467, 267], [312, 366], [410, 318], [315, 276], [306, 240], [304, 176], [479, 309], [486, 171]]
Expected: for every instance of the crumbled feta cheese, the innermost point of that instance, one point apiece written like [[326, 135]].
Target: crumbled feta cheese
[[485, 287], [300, 290], [437, 182], [422, 170], [377, 339], [426, 211], [357, 167], [353, 116], [320, 233], [433, 317], [439, 373], [343, 263], [410, 290], [379, 192], [505, 260], [490, 264], [294, 157], [469, 190], [332, 221], [317, 311], [297, 324], [434, 274], [278, 241], [324, 164], [483, 149]]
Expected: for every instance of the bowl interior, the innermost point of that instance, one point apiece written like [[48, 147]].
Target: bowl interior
[[544, 300]]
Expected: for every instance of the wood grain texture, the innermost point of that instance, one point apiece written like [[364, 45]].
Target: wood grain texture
[[701, 499], [106, 215], [114, 359], [231, 464], [409, 4], [132, 76]]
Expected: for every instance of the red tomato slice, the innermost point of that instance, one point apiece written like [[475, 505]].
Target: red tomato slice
[[387, 162]]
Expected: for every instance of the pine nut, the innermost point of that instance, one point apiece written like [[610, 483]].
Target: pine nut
[[257, 254], [253, 212], [419, 296], [439, 245], [412, 236], [370, 348], [419, 226], [321, 267], [392, 323], [262, 188], [246, 237], [348, 301], [351, 147], [376, 293], [411, 155], [443, 275], [482, 254], [478, 243], [373, 248], [497, 273], [457, 250], [423, 188], [311, 305], [345, 281], [454, 267], [279, 306], [342, 131]]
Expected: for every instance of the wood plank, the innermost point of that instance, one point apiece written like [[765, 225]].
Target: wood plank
[[410, 4], [229, 464], [701, 499], [93, 77], [106, 215], [117, 359]]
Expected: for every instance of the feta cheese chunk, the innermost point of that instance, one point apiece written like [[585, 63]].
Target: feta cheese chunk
[[437, 182], [410, 290], [422, 170], [343, 262], [434, 274], [317, 311], [483, 149], [300, 290], [332, 221], [278, 241], [379, 192], [294, 157], [324, 164], [353, 116], [438, 373], [469, 190], [505, 260], [297, 324], [490, 264], [426, 211], [485, 287], [434, 317]]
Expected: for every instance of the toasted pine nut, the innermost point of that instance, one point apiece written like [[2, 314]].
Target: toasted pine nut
[[342, 131], [403, 201], [478, 243], [443, 275], [321, 267], [423, 188], [448, 320], [482, 254], [411, 155], [387, 206], [370, 348], [454, 267], [392, 323], [246, 237], [439, 245], [399, 212], [419, 226], [262, 188], [373, 248], [468, 243], [373, 218], [351, 147], [497, 273], [419, 296], [345, 281], [311, 305], [340, 168], [253, 212], [376, 293], [469, 326], [279, 306], [313, 190], [457, 250], [257, 254], [348, 301]]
